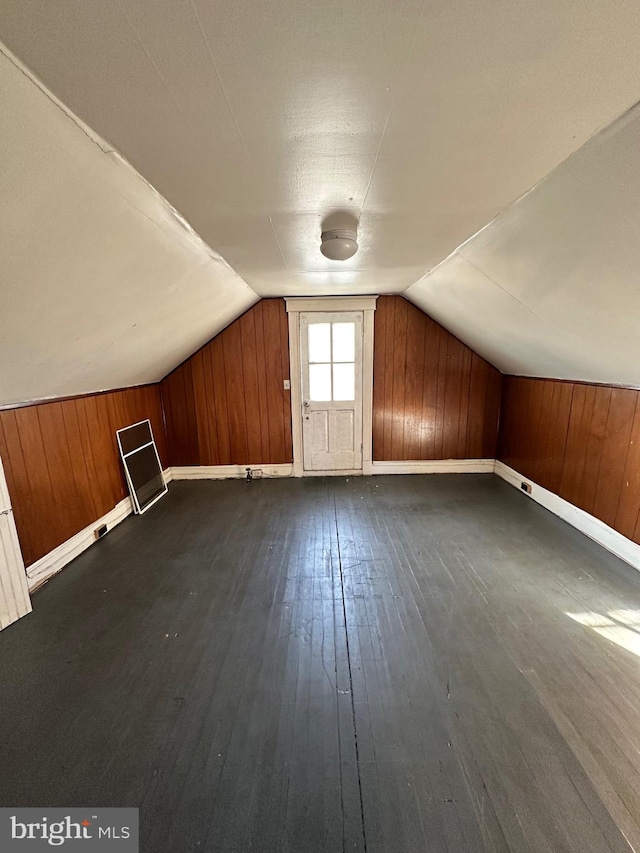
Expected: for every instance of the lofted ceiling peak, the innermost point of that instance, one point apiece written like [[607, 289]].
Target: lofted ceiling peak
[[421, 121]]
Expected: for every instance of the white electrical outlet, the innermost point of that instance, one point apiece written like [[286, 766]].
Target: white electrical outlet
[[287, 385]]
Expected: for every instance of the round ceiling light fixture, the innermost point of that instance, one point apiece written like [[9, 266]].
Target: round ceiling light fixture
[[339, 244]]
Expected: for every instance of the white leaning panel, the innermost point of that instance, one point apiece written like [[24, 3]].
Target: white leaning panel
[[14, 594]]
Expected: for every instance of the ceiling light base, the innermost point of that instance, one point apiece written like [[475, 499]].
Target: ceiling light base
[[339, 244]]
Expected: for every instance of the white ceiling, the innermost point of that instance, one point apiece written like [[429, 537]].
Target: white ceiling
[[552, 286], [101, 286], [423, 120]]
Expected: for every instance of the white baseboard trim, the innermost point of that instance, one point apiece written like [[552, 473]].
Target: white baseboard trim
[[55, 560], [229, 472], [344, 472], [578, 518], [435, 466]]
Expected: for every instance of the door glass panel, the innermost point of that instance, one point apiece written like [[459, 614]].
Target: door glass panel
[[319, 381], [344, 385], [344, 342], [320, 345]]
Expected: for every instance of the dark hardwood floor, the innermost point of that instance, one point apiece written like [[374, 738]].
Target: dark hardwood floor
[[394, 664]]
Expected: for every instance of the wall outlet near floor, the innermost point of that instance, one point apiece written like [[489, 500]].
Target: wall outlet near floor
[[287, 385], [256, 473], [526, 487]]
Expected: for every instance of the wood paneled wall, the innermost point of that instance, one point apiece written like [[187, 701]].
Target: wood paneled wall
[[433, 397], [580, 441], [226, 405], [62, 463]]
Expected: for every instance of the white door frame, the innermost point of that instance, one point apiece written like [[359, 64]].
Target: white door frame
[[296, 306]]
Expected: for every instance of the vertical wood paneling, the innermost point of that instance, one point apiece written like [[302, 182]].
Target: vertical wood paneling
[[478, 380], [201, 408], [453, 383], [441, 390], [544, 431], [218, 403], [238, 423], [433, 397], [81, 468], [629, 498], [38, 486], [387, 402], [18, 482], [465, 397], [413, 385], [574, 452], [429, 388], [399, 362], [272, 311], [62, 463], [261, 378], [533, 413], [622, 407], [285, 370], [580, 441], [108, 417], [227, 404], [179, 401], [94, 434], [595, 445], [491, 413], [249, 360]]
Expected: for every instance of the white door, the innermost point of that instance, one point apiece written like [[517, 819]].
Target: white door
[[331, 365], [14, 594]]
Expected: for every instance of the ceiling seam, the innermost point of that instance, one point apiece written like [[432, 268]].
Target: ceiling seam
[[220, 83], [600, 131], [392, 105], [30, 76], [499, 286], [508, 293], [234, 120], [149, 57], [513, 298], [119, 159]]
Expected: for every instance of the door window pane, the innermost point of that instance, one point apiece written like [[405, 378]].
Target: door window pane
[[319, 382], [344, 342], [344, 385], [320, 343]]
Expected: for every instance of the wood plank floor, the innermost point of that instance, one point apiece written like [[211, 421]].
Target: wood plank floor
[[390, 664]]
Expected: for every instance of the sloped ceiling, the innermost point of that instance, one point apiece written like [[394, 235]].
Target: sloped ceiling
[[552, 286], [102, 286], [423, 120]]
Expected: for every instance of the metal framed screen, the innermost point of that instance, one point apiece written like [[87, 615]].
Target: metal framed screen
[[142, 465]]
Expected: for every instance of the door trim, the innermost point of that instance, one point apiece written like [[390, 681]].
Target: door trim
[[295, 306]]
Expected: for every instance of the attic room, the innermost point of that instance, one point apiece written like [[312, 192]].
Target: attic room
[[367, 276]]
